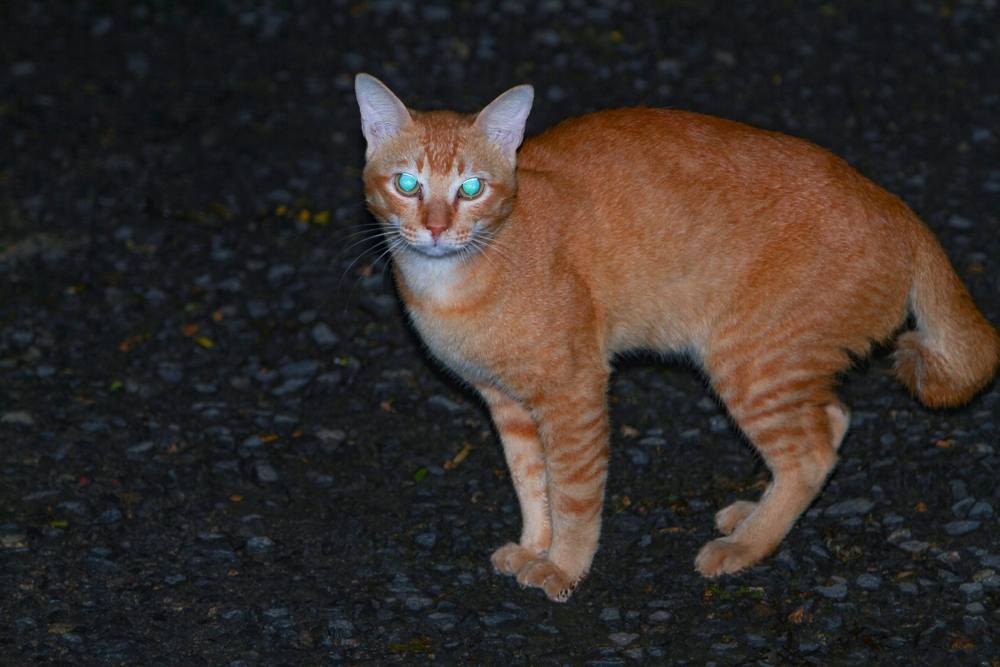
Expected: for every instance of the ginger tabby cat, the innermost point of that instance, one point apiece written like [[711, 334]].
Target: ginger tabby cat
[[765, 258]]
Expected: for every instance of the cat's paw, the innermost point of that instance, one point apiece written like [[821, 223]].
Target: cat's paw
[[729, 518], [543, 573], [511, 557], [724, 556]]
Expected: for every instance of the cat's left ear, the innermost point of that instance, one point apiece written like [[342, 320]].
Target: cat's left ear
[[503, 119], [382, 114]]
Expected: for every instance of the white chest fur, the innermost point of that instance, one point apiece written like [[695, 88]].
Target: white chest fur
[[436, 284]]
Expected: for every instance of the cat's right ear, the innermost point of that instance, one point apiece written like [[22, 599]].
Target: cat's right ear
[[382, 114], [503, 119]]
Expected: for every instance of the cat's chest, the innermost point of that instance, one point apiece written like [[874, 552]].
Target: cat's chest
[[462, 345], [452, 310]]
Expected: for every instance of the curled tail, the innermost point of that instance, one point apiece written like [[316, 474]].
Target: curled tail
[[954, 351]]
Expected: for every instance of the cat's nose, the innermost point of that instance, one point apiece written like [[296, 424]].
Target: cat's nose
[[436, 217]]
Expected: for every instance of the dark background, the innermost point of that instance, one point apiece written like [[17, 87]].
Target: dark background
[[220, 444]]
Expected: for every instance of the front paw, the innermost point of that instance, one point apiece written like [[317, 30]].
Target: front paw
[[511, 557], [543, 573]]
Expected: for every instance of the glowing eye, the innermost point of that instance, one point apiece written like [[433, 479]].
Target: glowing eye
[[406, 183], [471, 187]]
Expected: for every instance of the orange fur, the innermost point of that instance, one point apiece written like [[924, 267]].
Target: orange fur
[[764, 257]]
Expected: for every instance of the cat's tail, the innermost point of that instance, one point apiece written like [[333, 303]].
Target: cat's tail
[[954, 351]]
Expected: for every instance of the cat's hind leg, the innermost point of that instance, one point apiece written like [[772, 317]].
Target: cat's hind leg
[[730, 517], [523, 450], [783, 402]]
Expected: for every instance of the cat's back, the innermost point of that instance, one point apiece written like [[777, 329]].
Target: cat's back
[[625, 164], [668, 141]]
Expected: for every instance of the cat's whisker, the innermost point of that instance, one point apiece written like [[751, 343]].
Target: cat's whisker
[[488, 243], [482, 249], [360, 232], [391, 245], [367, 251], [369, 237]]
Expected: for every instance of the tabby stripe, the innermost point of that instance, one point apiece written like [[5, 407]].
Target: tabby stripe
[[524, 430], [570, 505]]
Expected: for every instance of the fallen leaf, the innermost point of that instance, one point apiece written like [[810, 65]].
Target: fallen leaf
[[961, 643], [127, 344], [458, 458], [798, 616]]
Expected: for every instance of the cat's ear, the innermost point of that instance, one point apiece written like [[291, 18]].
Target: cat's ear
[[382, 114], [503, 119]]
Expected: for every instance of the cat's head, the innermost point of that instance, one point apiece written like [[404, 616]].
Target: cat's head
[[442, 181]]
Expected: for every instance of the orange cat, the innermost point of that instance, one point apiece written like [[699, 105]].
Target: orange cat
[[765, 258]]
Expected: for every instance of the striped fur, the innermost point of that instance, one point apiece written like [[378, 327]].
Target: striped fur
[[765, 257]]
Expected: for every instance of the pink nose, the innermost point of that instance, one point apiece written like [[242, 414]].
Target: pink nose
[[436, 231]]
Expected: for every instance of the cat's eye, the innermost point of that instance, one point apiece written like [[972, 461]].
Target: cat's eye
[[407, 183], [471, 187]]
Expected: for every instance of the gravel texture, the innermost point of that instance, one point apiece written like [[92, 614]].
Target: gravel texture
[[221, 445]]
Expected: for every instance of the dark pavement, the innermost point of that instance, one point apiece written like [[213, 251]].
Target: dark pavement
[[221, 445]]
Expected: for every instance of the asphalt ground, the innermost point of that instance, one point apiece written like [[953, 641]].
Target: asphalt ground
[[222, 445]]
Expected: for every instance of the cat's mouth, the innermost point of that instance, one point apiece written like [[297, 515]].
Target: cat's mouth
[[446, 244], [436, 250]]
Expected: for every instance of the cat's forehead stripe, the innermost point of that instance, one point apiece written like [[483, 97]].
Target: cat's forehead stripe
[[441, 140]]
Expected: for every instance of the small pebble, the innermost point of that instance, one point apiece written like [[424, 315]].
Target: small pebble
[[416, 603], [610, 615], [851, 507], [914, 546], [972, 590], [623, 638], [444, 404], [637, 456], [265, 473], [837, 591], [259, 545], [17, 417], [956, 528], [140, 450], [981, 510], [323, 335]]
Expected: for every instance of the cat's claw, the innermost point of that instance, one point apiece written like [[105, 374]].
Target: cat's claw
[[511, 557], [729, 518], [543, 573], [724, 556]]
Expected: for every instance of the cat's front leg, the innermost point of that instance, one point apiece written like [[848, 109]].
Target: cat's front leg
[[523, 450], [574, 429]]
